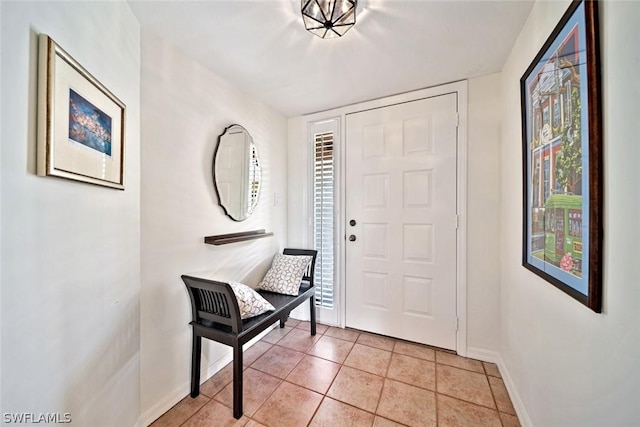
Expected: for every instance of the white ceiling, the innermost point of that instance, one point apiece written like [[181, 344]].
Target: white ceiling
[[396, 46]]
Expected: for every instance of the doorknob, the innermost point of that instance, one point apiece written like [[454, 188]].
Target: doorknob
[[352, 222], [352, 238]]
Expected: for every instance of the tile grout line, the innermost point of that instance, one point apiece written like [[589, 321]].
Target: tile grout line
[[324, 396], [195, 413], [304, 353], [384, 379], [435, 384], [495, 402]]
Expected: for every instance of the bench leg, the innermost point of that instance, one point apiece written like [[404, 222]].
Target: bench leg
[[312, 314], [196, 351], [237, 381], [284, 319]]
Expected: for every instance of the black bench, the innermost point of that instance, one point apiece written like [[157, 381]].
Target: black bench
[[216, 316]]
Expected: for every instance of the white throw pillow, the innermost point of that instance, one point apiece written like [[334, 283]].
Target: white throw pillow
[[285, 274], [250, 302]]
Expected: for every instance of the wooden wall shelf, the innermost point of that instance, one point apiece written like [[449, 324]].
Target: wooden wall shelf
[[223, 239]]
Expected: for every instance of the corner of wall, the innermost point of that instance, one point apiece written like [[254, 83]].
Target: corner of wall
[[483, 200]]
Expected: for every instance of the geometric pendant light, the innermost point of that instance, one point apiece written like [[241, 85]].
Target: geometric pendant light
[[328, 18]]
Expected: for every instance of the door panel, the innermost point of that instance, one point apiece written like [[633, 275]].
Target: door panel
[[401, 190]]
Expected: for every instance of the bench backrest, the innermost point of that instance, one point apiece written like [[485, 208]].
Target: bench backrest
[[215, 301]]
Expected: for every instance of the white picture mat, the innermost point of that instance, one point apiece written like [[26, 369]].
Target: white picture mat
[[71, 156]]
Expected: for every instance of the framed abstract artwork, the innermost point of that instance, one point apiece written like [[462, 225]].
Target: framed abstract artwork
[[80, 122], [562, 158]]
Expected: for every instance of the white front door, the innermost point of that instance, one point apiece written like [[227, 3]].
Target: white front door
[[401, 197]]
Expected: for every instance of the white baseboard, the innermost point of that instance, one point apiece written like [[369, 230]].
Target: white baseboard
[[484, 355], [495, 357], [156, 411]]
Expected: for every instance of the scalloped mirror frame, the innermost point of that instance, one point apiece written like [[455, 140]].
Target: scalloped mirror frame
[[236, 173]]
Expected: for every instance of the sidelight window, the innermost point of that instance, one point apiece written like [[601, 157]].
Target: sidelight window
[[324, 216]]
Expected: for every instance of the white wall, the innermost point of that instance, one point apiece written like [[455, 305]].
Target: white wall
[[483, 225], [1, 84], [70, 251], [483, 136], [185, 107], [571, 366]]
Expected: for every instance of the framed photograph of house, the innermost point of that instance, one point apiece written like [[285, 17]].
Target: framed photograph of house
[[562, 158], [80, 122]]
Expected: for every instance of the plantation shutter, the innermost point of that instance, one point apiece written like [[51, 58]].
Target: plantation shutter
[[323, 217]]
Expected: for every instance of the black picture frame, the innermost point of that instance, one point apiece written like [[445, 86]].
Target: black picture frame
[[562, 158]]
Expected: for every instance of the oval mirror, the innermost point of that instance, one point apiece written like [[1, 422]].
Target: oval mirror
[[236, 173]]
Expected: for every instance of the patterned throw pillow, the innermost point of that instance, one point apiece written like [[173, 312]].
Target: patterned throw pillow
[[285, 274], [250, 302]]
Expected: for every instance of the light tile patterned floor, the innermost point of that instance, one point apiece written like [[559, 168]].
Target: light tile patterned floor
[[344, 377]]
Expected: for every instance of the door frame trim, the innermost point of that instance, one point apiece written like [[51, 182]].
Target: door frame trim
[[461, 246], [460, 88]]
